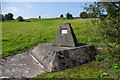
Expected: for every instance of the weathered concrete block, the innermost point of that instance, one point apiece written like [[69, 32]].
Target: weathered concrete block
[[55, 58], [65, 36]]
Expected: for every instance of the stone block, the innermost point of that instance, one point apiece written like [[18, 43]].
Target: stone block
[[56, 58]]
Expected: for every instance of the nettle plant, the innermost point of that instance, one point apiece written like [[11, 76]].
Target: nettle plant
[[101, 74]]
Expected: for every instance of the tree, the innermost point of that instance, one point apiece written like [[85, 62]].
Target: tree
[[2, 17], [95, 10], [91, 15], [61, 15], [9, 16], [39, 17], [69, 16], [83, 15], [109, 24], [20, 18]]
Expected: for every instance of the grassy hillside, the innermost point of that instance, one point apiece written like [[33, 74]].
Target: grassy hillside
[[18, 36]]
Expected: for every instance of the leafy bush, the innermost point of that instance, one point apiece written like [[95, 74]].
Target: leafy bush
[[69, 16], [61, 15], [108, 31], [20, 18], [91, 15], [2, 18], [39, 17], [108, 26], [83, 15]]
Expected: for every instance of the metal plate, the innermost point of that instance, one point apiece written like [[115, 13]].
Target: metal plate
[[64, 31]]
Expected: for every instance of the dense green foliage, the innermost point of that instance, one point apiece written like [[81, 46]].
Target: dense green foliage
[[61, 15], [91, 15], [20, 18], [69, 16], [83, 15], [108, 30], [109, 25], [39, 17], [2, 18], [9, 16]]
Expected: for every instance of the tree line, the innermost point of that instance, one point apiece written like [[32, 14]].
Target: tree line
[[82, 15], [9, 16]]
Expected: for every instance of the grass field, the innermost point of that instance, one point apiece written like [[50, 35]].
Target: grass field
[[19, 36]]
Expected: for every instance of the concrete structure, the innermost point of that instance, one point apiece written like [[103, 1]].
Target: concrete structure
[[65, 52], [55, 58]]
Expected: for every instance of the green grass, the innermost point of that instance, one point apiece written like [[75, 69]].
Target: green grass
[[19, 36], [83, 71]]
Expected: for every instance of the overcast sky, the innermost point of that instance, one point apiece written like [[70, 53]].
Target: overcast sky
[[35, 9]]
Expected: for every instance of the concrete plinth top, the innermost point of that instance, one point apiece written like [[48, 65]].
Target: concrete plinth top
[[50, 46]]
